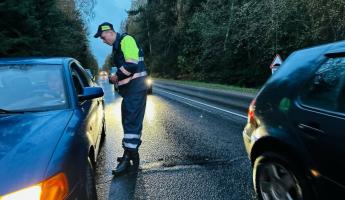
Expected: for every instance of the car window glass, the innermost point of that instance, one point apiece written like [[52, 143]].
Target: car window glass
[[326, 88], [32, 87], [85, 77], [89, 74], [86, 80], [77, 82]]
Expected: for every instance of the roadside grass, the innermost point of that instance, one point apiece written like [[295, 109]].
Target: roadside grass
[[211, 85]]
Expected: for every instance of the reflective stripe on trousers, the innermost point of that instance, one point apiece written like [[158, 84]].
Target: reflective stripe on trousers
[[132, 112]]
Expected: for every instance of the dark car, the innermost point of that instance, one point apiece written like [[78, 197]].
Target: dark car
[[295, 134], [149, 83], [51, 126]]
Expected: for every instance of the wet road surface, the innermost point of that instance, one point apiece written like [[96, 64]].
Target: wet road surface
[[189, 151]]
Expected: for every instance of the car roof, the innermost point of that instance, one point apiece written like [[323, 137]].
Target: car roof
[[299, 65], [324, 48], [306, 57], [34, 60]]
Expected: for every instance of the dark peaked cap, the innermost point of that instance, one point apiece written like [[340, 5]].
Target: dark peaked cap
[[106, 26]]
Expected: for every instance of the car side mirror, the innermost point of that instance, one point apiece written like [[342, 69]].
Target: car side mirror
[[91, 93]]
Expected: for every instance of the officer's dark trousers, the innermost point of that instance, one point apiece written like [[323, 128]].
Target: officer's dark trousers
[[132, 111]]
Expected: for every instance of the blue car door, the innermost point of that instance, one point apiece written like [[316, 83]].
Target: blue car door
[[89, 108]]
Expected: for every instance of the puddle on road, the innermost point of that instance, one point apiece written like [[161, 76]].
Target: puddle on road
[[125, 187], [175, 163], [192, 162]]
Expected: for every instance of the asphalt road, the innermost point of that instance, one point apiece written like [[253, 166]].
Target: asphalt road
[[190, 150]]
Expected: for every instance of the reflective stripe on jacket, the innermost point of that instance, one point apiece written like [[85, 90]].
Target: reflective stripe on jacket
[[129, 59]]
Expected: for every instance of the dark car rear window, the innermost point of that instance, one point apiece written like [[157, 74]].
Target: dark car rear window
[[326, 90]]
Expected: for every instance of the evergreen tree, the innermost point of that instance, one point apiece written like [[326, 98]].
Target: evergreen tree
[[230, 41], [40, 28]]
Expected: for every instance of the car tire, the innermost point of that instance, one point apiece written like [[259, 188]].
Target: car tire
[[276, 177], [90, 185], [149, 91]]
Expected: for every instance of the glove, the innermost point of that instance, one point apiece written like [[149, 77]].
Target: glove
[[112, 79]]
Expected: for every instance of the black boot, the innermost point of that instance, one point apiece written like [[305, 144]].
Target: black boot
[[124, 164], [119, 159], [134, 157]]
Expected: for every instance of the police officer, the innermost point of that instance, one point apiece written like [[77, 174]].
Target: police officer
[[130, 77]]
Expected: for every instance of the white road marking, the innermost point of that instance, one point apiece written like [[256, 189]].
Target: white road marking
[[204, 104]]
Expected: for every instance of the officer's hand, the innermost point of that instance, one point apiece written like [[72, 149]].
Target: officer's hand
[[113, 79]]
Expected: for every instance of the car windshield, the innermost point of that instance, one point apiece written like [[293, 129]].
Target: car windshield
[[32, 87]]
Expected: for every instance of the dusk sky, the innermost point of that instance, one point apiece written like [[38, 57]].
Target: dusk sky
[[113, 11]]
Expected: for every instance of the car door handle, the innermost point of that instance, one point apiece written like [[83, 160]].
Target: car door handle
[[311, 130]]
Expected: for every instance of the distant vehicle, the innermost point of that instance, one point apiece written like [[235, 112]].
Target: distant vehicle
[[102, 75], [149, 83], [295, 134], [51, 126]]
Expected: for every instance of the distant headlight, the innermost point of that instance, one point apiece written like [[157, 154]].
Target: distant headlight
[[54, 188], [149, 81]]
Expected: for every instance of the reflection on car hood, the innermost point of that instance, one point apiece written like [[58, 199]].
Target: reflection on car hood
[[27, 143]]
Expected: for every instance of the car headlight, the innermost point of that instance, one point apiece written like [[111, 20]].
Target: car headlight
[[33, 192], [148, 81], [54, 188]]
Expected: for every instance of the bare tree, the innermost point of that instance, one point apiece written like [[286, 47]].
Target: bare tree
[[86, 8]]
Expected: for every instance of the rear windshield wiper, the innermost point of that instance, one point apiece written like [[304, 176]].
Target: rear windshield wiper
[[3, 111]]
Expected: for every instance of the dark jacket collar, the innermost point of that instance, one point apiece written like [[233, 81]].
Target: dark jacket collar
[[117, 42]]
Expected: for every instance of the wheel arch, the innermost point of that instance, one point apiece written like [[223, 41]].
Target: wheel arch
[[286, 153], [272, 144]]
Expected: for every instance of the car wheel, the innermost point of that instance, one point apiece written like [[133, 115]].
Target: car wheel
[[276, 178], [90, 185], [149, 91]]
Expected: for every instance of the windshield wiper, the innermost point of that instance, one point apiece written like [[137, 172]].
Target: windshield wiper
[[3, 111]]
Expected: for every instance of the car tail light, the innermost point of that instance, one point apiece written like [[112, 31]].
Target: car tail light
[[54, 188], [251, 113]]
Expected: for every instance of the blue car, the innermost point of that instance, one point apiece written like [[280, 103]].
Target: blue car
[[52, 124]]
